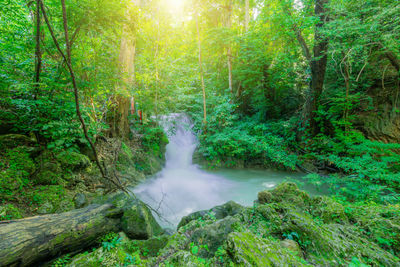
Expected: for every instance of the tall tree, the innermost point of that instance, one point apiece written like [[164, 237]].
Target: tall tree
[[38, 54], [201, 71], [318, 68], [229, 53]]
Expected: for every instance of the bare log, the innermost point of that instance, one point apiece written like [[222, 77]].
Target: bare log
[[29, 241]]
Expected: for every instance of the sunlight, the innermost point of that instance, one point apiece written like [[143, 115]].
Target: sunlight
[[175, 6]]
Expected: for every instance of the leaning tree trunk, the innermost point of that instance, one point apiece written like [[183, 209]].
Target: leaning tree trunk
[[32, 240]]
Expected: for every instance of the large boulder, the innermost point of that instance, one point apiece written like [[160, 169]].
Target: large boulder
[[72, 160], [287, 192], [246, 249], [230, 208], [212, 236], [138, 221]]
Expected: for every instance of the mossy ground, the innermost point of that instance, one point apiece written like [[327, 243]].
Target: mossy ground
[[290, 229], [37, 180]]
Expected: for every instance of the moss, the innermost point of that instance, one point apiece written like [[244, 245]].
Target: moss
[[147, 248], [328, 210], [291, 229], [246, 249], [73, 160], [125, 156], [9, 212], [16, 166], [138, 222]]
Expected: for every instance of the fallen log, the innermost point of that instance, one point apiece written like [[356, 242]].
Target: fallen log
[[30, 241]]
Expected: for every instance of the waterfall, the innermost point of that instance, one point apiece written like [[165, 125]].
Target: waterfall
[[181, 187]]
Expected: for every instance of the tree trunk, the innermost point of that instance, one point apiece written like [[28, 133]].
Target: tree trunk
[[38, 54], [247, 15], [201, 72], [229, 54], [29, 241], [318, 69]]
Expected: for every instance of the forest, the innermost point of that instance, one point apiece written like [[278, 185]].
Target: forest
[[271, 129]]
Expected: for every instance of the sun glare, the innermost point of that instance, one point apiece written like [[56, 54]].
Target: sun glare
[[175, 6]]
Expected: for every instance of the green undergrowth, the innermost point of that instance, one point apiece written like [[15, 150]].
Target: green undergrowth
[[231, 141], [365, 169], [285, 227], [35, 179], [339, 158]]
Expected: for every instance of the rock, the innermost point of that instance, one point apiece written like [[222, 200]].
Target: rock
[[169, 231], [246, 249], [151, 246], [64, 206], [213, 235], [45, 208], [219, 212], [80, 200], [293, 246], [328, 210], [264, 197], [49, 174], [287, 192], [138, 221], [73, 160]]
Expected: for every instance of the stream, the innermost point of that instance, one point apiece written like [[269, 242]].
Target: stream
[[182, 187]]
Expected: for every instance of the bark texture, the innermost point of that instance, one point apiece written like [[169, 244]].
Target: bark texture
[[318, 69], [29, 241]]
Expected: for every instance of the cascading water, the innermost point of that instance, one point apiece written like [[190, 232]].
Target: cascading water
[[182, 187]]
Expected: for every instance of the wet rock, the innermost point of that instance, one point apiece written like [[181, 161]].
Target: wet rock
[[45, 208], [80, 200], [219, 212]]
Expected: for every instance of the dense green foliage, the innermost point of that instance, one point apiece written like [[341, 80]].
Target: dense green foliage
[[245, 72]]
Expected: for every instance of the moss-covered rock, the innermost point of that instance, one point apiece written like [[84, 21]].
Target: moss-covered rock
[[212, 236], [73, 160], [218, 212], [328, 210], [293, 246], [246, 249], [289, 229], [137, 221], [147, 248], [45, 208], [50, 174], [288, 192]]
